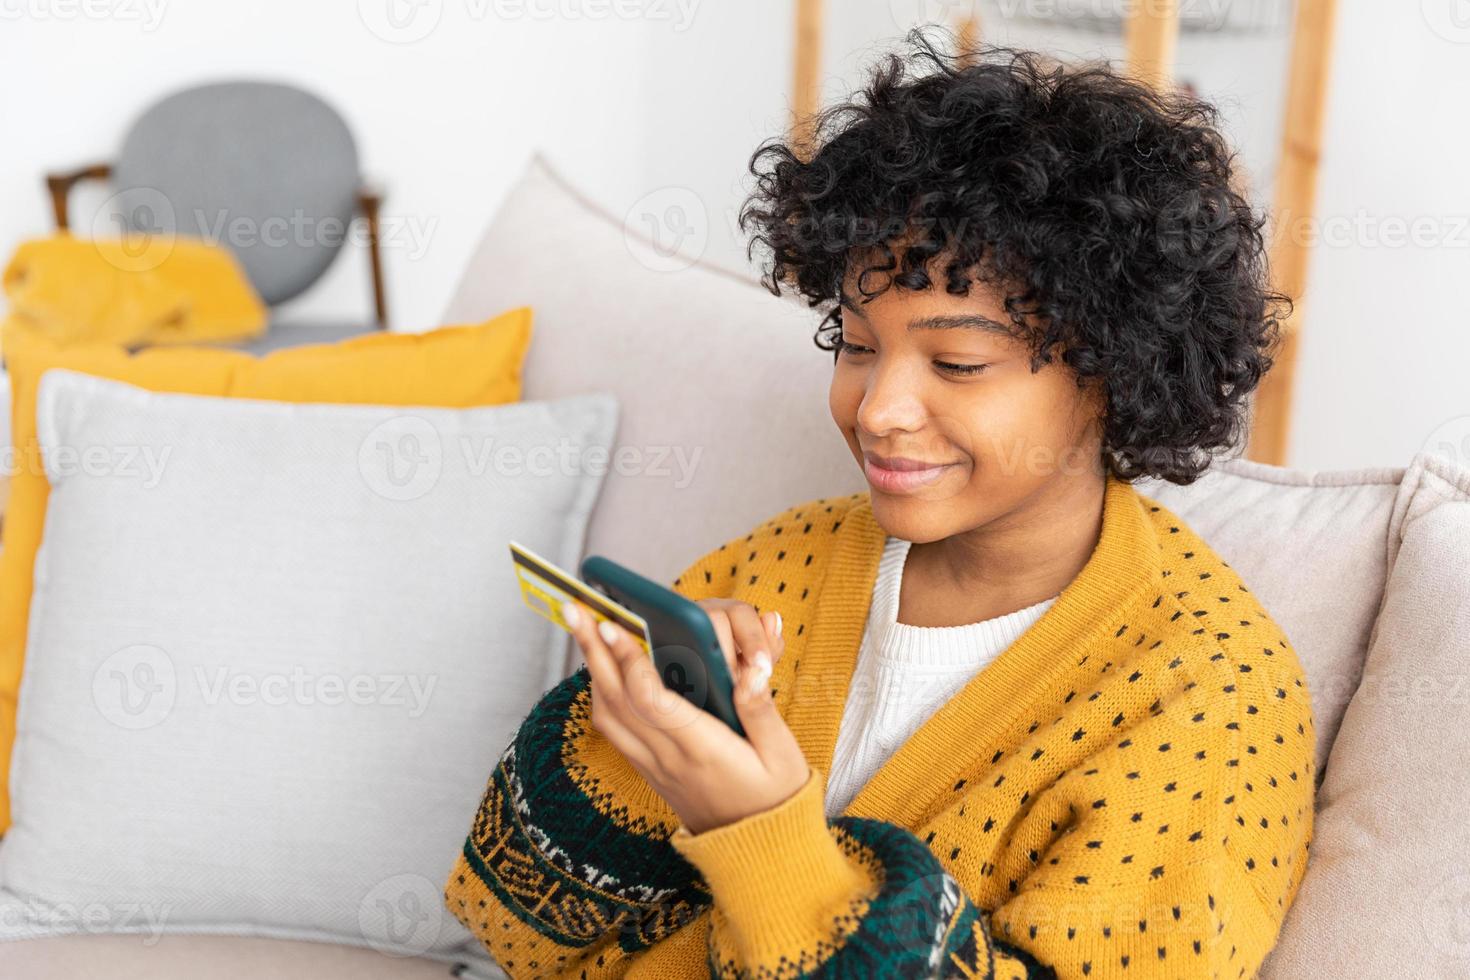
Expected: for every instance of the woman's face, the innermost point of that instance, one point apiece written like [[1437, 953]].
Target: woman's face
[[941, 380]]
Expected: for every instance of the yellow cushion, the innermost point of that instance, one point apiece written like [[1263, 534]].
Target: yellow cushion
[[453, 367]]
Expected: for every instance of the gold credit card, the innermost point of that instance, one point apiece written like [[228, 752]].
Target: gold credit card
[[545, 587]]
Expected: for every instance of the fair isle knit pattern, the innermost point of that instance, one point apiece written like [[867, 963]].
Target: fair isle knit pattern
[[1125, 791]]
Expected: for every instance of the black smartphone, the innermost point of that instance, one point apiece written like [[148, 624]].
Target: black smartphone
[[686, 651]]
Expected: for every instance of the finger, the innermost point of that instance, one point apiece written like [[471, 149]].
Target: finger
[[594, 652], [608, 695], [721, 623], [750, 633], [654, 712], [774, 635], [765, 729]]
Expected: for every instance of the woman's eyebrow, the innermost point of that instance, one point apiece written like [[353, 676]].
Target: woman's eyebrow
[[966, 321], [948, 321]]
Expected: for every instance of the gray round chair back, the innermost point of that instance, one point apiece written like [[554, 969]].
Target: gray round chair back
[[266, 169]]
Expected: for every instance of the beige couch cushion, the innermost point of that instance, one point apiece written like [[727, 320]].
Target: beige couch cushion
[[1388, 886], [722, 393]]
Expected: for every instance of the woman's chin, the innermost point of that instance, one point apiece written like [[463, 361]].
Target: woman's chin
[[923, 515]]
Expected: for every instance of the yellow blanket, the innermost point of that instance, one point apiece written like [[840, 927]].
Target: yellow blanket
[[131, 291]]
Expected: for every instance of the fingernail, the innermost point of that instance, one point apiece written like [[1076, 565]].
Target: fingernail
[[609, 632], [778, 624], [570, 614], [760, 674]]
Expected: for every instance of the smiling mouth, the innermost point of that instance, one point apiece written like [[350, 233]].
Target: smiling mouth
[[894, 480]]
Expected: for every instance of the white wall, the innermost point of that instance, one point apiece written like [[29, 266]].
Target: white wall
[[1386, 322], [669, 104]]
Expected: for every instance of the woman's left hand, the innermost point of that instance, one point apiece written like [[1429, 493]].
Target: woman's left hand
[[707, 774]]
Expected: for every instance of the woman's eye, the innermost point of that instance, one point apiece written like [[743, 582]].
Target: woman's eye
[[961, 368]]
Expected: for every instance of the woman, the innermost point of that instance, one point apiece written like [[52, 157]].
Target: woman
[[1006, 716]]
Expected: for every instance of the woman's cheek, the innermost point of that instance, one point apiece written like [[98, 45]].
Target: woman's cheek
[[844, 396]]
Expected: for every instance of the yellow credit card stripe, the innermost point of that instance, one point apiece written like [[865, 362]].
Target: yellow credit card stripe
[[583, 592], [544, 587]]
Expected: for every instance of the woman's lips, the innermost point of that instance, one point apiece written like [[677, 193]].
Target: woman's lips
[[902, 481]]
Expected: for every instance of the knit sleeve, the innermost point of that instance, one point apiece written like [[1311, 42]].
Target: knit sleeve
[[797, 894], [567, 867]]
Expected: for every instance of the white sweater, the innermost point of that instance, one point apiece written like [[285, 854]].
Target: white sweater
[[904, 674]]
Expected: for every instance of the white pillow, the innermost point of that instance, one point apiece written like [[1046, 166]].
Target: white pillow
[[274, 650]]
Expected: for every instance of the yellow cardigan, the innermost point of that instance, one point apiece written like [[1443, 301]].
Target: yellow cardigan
[[1125, 792]]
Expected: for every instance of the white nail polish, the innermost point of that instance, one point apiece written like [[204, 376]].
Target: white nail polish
[[609, 632], [570, 614], [759, 675], [778, 624]]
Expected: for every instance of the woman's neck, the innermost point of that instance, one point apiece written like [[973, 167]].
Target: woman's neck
[[1017, 560]]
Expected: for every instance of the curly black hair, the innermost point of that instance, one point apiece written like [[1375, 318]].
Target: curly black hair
[[1102, 209]]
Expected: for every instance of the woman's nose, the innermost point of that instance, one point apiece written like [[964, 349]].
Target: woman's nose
[[890, 402]]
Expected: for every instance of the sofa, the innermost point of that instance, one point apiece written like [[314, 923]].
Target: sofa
[[722, 392]]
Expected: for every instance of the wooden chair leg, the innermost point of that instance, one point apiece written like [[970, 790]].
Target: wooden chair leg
[[370, 201]]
